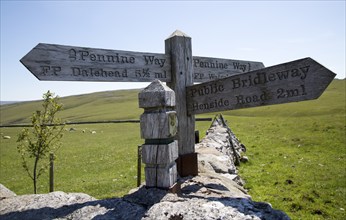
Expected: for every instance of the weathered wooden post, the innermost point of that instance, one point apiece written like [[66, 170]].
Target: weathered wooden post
[[158, 127], [139, 165], [51, 172], [178, 46]]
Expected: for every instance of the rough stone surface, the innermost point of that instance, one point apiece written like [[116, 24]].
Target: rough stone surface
[[5, 193], [220, 151], [60, 205], [216, 193]]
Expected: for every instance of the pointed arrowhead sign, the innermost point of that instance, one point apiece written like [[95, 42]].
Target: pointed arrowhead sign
[[69, 63], [294, 81], [52, 62]]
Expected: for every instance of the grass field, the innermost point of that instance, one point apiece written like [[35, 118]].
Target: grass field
[[297, 151]]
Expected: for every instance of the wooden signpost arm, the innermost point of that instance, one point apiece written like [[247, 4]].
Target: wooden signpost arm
[[178, 47], [294, 81]]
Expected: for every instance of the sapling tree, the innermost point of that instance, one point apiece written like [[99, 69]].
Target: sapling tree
[[44, 138]]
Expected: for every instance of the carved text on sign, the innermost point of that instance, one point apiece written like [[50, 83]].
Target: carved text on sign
[[206, 68], [289, 82], [70, 63], [85, 55]]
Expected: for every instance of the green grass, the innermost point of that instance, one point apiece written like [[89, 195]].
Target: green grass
[[297, 151], [102, 164], [300, 170]]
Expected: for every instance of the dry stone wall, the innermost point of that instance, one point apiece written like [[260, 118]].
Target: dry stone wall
[[216, 193]]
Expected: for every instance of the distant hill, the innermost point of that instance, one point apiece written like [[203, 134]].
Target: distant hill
[[7, 102], [109, 105], [123, 104]]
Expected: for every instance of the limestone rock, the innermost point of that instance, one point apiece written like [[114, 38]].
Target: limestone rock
[[60, 205], [201, 197], [220, 150], [219, 164], [5, 193], [244, 159], [204, 197], [199, 208]]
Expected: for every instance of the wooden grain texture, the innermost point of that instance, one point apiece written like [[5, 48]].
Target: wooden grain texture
[[167, 176], [160, 153], [158, 125], [178, 47], [294, 81], [208, 68], [150, 175], [52, 62], [156, 95], [163, 177], [69, 63]]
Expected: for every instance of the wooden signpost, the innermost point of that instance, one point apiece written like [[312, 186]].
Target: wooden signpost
[[237, 84], [177, 67], [51, 62], [295, 81], [68, 63]]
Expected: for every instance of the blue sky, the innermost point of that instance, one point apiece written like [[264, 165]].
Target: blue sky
[[272, 32]]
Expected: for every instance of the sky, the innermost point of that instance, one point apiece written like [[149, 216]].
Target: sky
[[271, 32]]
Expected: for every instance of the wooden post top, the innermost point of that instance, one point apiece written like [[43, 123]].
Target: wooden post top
[[178, 33], [156, 95]]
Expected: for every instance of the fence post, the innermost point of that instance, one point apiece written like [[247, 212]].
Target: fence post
[[139, 165], [51, 172], [158, 126]]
